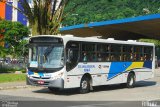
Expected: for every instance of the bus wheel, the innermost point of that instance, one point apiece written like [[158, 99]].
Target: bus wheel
[[130, 80], [53, 89], [84, 85]]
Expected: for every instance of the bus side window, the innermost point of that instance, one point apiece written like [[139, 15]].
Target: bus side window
[[148, 53], [99, 57], [84, 57], [112, 58], [88, 52], [115, 52]]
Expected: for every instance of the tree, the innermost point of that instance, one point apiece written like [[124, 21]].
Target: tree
[[45, 16], [13, 33], [100, 10], [156, 42]]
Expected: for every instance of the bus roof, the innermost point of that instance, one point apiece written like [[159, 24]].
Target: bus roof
[[67, 38]]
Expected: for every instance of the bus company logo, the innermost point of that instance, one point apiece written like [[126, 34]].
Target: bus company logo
[[105, 66], [99, 66], [150, 104]]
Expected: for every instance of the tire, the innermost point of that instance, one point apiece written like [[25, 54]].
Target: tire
[[53, 89], [85, 85], [123, 85], [131, 80]]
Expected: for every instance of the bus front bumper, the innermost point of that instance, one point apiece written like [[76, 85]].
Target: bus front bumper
[[58, 83]]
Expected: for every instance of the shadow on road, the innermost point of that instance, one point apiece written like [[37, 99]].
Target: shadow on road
[[122, 86], [145, 83], [68, 92], [58, 92]]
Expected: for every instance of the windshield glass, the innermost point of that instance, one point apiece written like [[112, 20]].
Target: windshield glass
[[47, 56]]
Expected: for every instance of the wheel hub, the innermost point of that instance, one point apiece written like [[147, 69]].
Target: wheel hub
[[131, 82], [84, 85]]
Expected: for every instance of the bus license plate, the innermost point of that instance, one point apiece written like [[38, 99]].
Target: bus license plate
[[40, 82]]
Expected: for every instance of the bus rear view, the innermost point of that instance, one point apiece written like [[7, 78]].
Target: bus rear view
[[46, 62]]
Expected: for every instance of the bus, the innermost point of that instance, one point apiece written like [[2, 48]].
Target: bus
[[62, 62]]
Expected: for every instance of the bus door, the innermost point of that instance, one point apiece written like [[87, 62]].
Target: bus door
[[72, 54]]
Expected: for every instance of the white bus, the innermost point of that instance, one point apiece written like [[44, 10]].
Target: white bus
[[60, 62]]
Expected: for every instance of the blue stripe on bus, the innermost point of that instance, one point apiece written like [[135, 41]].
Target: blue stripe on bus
[[148, 64], [41, 74], [117, 67], [30, 72]]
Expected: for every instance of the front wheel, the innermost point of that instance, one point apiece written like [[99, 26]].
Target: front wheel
[[84, 85], [131, 80]]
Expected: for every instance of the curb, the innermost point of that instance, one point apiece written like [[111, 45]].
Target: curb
[[15, 87]]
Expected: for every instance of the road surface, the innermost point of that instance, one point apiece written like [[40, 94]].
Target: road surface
[[111, 96]]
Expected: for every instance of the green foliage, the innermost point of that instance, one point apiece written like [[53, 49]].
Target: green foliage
[[13, 33], [23, 71], [156, 42], [100, 10], [45, 16], [11, 70]]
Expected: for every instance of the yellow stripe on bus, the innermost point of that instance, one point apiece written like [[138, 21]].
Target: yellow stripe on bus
[[135, 65], [35, 73]]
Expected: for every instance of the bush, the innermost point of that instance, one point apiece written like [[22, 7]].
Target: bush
[[23, 71], [10, 70]]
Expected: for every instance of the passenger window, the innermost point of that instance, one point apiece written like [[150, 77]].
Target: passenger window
[[137, 53], [131, 53], [148, 51], [103, 52], [114, 53], [88, 52]]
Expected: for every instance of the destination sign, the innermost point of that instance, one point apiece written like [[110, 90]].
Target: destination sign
[[45, 40]]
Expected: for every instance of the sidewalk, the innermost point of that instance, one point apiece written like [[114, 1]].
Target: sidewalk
[[16, 85], [13, 85], [157, 71]]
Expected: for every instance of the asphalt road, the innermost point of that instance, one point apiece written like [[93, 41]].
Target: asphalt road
[[46, 103], [14, 101], [104, 96]]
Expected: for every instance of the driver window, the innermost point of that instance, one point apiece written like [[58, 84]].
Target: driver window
[[72, 55]]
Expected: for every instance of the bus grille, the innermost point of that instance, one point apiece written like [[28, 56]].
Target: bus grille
[[42, 77]]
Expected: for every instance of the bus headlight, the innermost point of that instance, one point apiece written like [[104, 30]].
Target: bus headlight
[[59, 75]]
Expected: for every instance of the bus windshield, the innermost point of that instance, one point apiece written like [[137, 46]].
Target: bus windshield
[[47, 57]]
